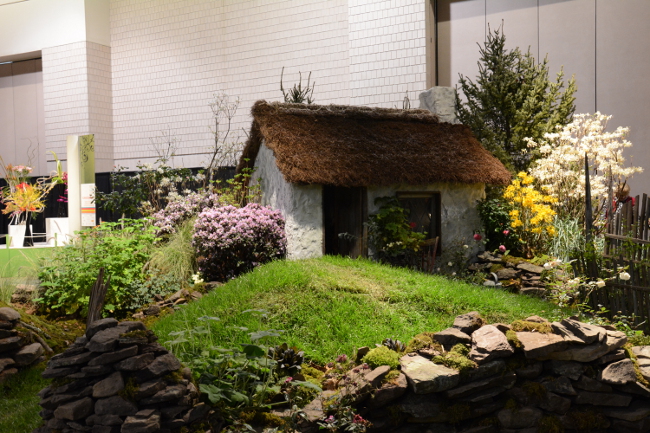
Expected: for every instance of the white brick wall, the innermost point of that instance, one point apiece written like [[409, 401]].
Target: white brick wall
[[77, 98], [170, 57], [387, 51]]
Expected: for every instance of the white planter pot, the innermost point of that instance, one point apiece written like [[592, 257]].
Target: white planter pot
[[17, 235], [56, 230]]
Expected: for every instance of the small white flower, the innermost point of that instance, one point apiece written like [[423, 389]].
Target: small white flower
[[453, 274], [548, 266], [450, 264], [600, 283], [466, 246], [624, 276]]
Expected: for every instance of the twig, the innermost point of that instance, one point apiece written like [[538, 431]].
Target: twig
[[35, 329], [42, 342]]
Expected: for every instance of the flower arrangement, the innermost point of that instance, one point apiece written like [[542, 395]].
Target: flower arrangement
[[21, 197], [531, 216]]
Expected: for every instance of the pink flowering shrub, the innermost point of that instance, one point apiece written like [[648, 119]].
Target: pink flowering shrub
[[230, 241], [180, 209]]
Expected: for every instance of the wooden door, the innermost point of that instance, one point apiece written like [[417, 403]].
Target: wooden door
[[344, 212]]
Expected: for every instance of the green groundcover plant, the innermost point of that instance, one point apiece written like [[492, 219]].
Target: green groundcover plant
[[121, 249]]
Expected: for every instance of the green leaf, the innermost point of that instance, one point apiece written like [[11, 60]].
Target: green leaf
[[215, 395], [263, 334], [253, 351]]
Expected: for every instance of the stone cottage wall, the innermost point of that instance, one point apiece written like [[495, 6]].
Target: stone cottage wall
[[575, 378], [301, 206], [117, 379]]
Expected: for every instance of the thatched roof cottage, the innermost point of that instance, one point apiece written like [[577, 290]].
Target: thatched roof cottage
[[324, 166]]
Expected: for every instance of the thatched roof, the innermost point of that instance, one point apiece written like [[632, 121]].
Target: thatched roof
[[362, 146]]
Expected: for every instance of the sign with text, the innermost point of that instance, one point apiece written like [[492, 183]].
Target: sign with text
[[88, 218]]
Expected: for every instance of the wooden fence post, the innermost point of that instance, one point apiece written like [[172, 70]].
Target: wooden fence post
[[97, 295]]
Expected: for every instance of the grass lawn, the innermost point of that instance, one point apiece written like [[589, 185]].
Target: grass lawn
[[332, 305], [19, 266], [19, 401]]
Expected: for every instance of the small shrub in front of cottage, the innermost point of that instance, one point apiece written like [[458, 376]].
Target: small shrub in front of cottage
[[122, 249], [182, 208], [230, 241]]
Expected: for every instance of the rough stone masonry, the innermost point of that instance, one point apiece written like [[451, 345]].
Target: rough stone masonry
[[117, 379]]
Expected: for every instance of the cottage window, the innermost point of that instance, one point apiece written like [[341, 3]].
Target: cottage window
[[423, 212]]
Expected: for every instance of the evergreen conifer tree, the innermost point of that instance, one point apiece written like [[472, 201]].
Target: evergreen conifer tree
[[511, 99]]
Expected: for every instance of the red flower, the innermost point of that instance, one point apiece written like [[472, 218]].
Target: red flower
[[506, 232], [413, 225], [477, 237]]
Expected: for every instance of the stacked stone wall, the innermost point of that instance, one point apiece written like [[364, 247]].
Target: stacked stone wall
[[17, 347], [529, 377], [118, 379]]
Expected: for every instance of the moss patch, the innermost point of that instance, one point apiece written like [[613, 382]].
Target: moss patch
[[637, 370], [587, 420], [381, 355], [423, 341], [526, 326], [511, 336], [457, 359], [550, 424]]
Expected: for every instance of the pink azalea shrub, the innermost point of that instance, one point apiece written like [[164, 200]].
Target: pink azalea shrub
[[180, 209], [230, 241]]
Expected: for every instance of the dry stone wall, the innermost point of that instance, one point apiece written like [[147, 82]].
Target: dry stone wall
[[17, 348], [118, 379], [565, 376]]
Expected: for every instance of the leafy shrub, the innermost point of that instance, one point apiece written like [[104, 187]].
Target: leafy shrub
[[121, 248], [230, 241], [176, 258], [495, 215], [382, 355]]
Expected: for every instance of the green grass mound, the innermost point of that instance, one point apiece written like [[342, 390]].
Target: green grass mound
[[332, 305]]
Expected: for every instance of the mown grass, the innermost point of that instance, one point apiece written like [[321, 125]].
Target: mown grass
[[332, 305], [19, 401]]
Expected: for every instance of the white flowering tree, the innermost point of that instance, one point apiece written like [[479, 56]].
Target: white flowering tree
[[560, 168]]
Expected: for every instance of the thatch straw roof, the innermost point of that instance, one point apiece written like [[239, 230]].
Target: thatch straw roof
[[362, 146]]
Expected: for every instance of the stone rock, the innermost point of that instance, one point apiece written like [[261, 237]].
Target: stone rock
[[530, 371], [53, 373], [96, 370], [10, 344], [636, 389], [68, 361], [425, 377], [75, 410], [159, 367], [539, 346], [6, 362], [361, 352], [6, 333], [4, 324], [612, 357], [468, 322], [584, 331], [100, 325], [614, 340], [507, 274], [568, 336], [440, 101], [106, 340], [197, 413], [148, 389], [500, 383], [424, 410], [571, 369], [451, 336], [555, 403], [314, 410], [111, 357], [134, 424], [28, 354], [56, 424], [603, 399], [529, 267], [76, 427], [589, 384], [104, 420], [7, 373], [109, 387], [635, 412], [153, 310], [489, 343], [519, 419], [9, 314], [115, 405], [641, 351], [389, 392], [619, 373], [135, 363], [170, 393], [537, 292], [485, 370], [561, 385]]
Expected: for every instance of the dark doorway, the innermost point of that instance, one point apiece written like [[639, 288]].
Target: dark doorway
[[344, 212]]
